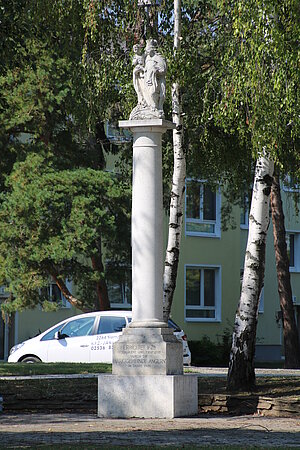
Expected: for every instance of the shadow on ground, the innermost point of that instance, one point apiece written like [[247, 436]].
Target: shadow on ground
[[89, 432]]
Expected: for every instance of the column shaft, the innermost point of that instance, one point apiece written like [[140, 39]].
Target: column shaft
[[147, 229], [147, 221]]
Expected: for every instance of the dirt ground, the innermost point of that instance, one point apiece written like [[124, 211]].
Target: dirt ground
[[80, 430]]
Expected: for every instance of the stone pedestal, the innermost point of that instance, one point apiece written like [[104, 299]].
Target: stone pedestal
[[147, 396], [147, 378]]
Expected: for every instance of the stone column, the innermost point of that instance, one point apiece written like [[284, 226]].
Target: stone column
[[148, 346], [147, 372], [147, 222]]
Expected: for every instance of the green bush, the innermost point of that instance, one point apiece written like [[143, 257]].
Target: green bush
[[208, 353]]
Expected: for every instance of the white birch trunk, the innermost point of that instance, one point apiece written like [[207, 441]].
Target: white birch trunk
[[178, 182], [241, 375]]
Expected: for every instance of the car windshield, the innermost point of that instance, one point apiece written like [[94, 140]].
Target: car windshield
[[50, 335]]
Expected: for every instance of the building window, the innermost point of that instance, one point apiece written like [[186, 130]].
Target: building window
[[290, 184], [119, 287], [261, 301], [245, 208], [203, 210], [117, 135], [119, 295], [53, 294], [290, 243], [3, 292], [202, 293], [293, 250]]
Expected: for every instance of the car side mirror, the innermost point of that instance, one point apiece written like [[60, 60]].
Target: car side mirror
[[59, 335]]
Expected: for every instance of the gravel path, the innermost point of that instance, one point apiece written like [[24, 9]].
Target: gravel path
[[34, 430], [77, 430]]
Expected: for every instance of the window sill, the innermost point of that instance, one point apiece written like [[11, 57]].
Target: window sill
[[294, 270], [202, 320], [209, 235], [120, 306], [244, 227], [291, 189]]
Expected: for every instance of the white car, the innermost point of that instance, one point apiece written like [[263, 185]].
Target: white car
[[83, 338]]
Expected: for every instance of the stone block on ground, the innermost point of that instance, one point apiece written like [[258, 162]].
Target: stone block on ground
[[147, 396]]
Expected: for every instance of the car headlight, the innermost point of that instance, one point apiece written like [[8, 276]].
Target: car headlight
[[16, 347]]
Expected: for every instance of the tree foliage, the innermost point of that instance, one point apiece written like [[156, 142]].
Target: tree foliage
[[50, 225], [256, 98], [66, 69], [58, 81], [258, 75]]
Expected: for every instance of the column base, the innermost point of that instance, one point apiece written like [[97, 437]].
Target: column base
[[148, 324], [147, 351], [147, 396]]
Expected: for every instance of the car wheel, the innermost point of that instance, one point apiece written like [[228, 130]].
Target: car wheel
[[31, 359]]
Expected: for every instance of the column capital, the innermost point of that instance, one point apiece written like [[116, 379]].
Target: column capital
[[154, 125]]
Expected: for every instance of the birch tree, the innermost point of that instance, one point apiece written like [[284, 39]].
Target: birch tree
[[241, 373], [178, 180], [256, 98]]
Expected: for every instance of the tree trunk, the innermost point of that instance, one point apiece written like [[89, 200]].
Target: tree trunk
[[241, 374], [66, 293], [290, 332], [103, 303], [178, 182]]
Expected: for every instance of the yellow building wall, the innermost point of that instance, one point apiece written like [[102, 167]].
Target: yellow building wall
[[224, 252], [228, 252]]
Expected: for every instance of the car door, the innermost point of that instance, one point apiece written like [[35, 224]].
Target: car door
[[109, 330], [75, 342]]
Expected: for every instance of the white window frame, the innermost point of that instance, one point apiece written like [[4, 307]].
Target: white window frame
[[218, 294], [296, 267], [216, 223]]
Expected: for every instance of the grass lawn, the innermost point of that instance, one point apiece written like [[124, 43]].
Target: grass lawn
[[265, 386], [21, 369]]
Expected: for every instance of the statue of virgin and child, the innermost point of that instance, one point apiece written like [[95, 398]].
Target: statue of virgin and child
[[149, 81]]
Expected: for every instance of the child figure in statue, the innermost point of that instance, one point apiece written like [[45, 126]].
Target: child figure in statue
[[138, 73], [149, 81]]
